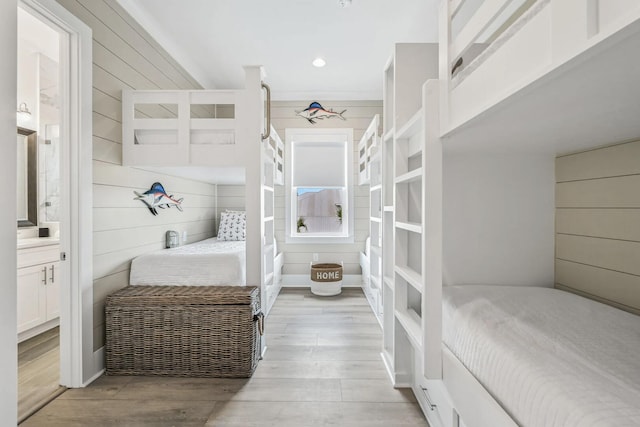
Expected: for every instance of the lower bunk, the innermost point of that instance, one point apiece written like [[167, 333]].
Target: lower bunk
[[533, 356], [209, 262]]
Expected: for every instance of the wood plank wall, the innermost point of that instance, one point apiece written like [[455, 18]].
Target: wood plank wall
[[126, 57], [598, 224], [358, 116], [230, 197]]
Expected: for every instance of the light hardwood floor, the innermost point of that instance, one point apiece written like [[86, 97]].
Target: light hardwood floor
[[322, 368], [38, 371]]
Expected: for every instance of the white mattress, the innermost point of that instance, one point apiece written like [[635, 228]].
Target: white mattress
[[550, 358], [205, 263]]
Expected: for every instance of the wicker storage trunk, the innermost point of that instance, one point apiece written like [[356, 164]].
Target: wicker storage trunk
[[186, 331]]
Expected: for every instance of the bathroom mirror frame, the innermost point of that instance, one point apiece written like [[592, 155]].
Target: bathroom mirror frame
[[32, 177]]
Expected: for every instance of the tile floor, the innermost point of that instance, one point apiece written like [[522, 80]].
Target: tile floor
[[322, 368]]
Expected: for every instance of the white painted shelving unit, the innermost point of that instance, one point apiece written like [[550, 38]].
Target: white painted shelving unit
[[272, 155], [406, 234], [369, 165]]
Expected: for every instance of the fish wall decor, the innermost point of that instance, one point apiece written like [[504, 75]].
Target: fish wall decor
[[156, 197], [315, 111]]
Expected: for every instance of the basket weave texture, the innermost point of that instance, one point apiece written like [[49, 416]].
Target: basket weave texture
[[327, 272], [184, 331]]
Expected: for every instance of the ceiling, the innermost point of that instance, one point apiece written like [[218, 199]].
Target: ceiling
[[213, 39]]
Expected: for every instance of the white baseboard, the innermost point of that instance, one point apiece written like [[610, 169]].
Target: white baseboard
[[30, 333], [98, 365], [304, 281]]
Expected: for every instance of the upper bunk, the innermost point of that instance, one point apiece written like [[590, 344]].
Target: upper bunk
[[219, 129], [546, 76]]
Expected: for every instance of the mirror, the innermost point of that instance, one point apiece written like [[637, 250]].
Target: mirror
[[27, 179]]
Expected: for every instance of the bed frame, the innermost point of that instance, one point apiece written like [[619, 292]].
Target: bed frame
[[216, 129], [527, 56]]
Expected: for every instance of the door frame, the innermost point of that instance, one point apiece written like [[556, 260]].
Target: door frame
[[78, 365]]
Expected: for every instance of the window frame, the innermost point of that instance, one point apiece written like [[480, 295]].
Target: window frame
[[329, 135]]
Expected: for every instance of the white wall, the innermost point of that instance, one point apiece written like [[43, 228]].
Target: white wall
[[126, 57], [8, 105], [298, 256], [498, 219]]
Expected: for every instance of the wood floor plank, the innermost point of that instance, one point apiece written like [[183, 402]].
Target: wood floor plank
[[105, 412], [38, 371], [286, 414], [322, 367]]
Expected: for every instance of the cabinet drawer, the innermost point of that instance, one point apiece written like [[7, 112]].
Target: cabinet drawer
[[38, 255]]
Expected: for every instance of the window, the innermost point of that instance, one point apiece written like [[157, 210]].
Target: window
[[319, 198]]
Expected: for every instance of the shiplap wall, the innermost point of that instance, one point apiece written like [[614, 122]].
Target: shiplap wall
[[229, 197], [358, 116], [126, 57], [598, 224]]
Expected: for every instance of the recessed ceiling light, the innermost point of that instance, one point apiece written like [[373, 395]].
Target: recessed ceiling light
[[319, 62], [344, 3]]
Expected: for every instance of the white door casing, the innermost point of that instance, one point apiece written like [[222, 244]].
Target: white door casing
[[77, 364]]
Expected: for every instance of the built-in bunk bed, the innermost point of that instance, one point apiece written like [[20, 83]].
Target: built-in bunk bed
[[234, 136], [476, 328]]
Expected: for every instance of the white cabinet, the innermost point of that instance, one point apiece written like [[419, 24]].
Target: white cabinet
[[38, 291]]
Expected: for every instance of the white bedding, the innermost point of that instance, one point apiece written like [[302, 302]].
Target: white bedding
[[550, 358], [205, 263]]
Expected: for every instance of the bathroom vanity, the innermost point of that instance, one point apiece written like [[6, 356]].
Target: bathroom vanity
[[38, 286]]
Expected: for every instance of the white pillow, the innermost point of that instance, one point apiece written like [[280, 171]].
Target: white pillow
[[232, 226]]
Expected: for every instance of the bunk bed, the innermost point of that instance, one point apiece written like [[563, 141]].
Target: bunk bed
[[548, 75], [217, 129]]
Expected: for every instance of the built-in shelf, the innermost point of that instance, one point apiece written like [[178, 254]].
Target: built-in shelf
[[412, 324], [410, 176], [268, 248], [411, 276], [413, 227], [412, 127], [268, 218], [267, 188], [370, 166], [388, 208]]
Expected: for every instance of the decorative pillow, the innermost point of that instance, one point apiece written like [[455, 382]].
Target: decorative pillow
[[232, 226]]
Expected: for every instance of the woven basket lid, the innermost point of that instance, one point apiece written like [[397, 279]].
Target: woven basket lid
[[183, 295]]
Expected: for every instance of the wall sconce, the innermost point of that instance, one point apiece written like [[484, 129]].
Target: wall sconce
[[23, 115]]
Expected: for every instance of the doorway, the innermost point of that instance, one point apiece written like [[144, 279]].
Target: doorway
[[60, 114], [42, 106]]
